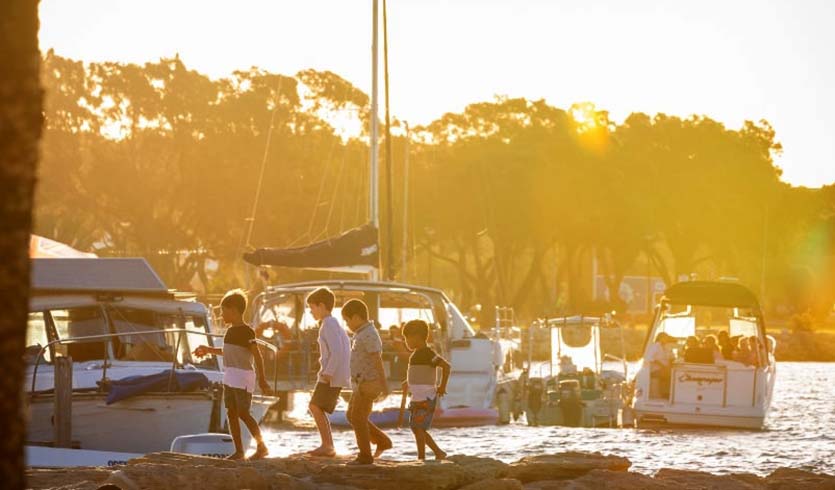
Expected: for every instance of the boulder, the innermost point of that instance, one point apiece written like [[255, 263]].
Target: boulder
[[787, 478], [414, 475], [698, 480], [494, 484], [56, 478], [480, 468], [610, 480], [563, 466]]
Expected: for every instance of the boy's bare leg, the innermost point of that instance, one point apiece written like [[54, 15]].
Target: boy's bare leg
[[235, 431], [252, 424], [439, 453], [420, 440], [379, 438], [324, 427]]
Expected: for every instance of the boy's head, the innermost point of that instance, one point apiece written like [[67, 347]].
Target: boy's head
[[415, 332], [233, 306], [355, 314], [321, 302]]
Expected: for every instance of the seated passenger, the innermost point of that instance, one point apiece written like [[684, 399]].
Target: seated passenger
[[743, 351], [725, 345], [692, 350], [710, 343]]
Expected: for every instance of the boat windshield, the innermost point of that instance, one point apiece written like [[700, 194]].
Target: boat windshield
[[732, 333], [576, 346]]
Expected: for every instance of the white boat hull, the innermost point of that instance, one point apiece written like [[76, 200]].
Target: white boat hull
[[729, 395], [142, 424]]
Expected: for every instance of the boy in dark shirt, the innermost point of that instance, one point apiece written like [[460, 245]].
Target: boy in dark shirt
[[240, 352], [421, 382]]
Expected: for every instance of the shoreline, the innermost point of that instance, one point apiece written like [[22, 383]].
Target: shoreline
[[568, 470]]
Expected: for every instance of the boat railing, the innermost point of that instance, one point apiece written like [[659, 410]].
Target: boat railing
[[110, 336]]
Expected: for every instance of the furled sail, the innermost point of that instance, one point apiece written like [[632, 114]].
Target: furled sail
[[355, 247]]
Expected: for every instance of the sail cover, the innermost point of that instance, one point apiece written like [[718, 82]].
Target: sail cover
[[355, 247]]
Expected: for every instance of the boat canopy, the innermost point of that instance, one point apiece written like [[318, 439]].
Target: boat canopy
[[355, 247], [708, 293], [96, 275]]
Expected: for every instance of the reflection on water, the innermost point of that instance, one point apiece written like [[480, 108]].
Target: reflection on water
[[800, 433]]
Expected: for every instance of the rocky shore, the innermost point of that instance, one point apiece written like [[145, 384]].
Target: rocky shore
[[564, 471]]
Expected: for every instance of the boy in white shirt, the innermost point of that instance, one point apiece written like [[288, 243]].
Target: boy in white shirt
[[334, 372]]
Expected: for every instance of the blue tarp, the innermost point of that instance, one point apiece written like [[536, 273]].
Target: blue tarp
[[131, 386]]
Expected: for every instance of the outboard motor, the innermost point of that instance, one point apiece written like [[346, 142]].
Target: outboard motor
[[570, 403]]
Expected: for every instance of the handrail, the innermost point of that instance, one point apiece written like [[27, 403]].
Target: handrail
[[82, 339]]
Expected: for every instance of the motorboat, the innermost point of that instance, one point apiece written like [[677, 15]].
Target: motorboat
[[476, 360], [704, 384], [118, 323], [577, 391]]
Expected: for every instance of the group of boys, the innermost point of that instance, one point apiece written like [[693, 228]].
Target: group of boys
[[355, 363]]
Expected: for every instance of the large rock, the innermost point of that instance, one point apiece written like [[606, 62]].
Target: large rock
[[55, 478], [698, 480], [494, 484], [610, 480], [434, 475], [787, 478], [564, 466], [480, 468]]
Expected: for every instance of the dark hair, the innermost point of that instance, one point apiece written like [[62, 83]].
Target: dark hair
[[234, 299], [416, 328], [322, 296], [355, 307]]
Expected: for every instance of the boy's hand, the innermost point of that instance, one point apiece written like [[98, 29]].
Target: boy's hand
[[405, 386], [440, 391], [200, 351], [327, 379], [265, 388]]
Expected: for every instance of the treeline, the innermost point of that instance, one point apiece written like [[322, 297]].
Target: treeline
[[509, 202]]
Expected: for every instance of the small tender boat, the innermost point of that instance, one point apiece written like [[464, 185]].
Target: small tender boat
[[700, 386], [581, 393]]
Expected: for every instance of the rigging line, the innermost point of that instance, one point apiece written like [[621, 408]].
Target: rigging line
[[322, 183], [260, 184], [335, 192]]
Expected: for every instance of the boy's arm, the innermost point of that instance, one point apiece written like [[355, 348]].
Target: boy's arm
[[203, 350], [259, 368], [329, 336], [381, 374], [446, 369]]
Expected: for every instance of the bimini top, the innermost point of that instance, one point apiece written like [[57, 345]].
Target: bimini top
[[116, 275], [707, 293]]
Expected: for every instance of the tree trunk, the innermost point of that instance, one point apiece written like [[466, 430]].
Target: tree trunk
[[21, 119]]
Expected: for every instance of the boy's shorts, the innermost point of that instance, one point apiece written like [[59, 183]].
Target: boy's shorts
[[237, 399], [325, 396], [421, 413]]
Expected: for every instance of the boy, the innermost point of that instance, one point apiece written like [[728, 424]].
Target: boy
[[369, 381], [334, 370], [421, 381], [239, 376]]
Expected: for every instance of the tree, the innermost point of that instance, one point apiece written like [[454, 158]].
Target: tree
[[21, 120]]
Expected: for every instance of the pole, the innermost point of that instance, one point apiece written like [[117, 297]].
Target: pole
[[374, 199], [389, 268], [404, 254], [63, 402]]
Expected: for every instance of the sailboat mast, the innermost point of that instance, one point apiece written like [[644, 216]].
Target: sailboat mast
[[374, 185]]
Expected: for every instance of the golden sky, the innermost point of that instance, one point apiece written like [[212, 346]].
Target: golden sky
[[730, 60]]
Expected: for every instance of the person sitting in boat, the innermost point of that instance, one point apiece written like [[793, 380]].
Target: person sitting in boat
[[243, 365], [742, 353], [711, 343], [660, 362], [422, 383], [567, 365], [725, 345]]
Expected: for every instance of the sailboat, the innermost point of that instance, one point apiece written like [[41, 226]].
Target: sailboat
[[475, 359]]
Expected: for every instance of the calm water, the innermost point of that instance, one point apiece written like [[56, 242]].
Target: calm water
[[800, 433]]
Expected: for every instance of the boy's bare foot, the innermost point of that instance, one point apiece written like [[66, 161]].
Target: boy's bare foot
[[323, 452], [440, 455], [381, 448], [361, 460], [237, 456], [261, 452]]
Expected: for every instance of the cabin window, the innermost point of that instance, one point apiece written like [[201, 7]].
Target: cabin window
[[36, 338], [155, 346], [80, 322]]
